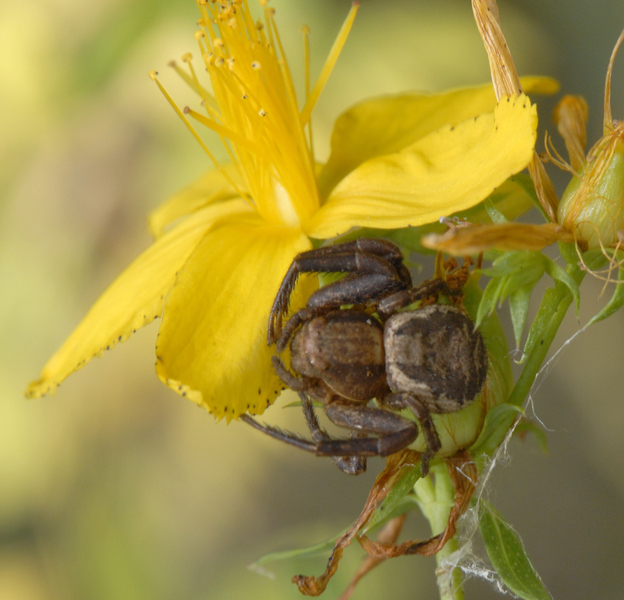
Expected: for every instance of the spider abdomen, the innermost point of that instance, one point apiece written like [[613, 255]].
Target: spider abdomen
[[435, 354]]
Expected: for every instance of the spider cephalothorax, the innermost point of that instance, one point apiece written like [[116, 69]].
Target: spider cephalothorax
[[427, 360]]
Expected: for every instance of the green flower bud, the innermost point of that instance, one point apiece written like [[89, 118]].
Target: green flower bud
[[592, 206]]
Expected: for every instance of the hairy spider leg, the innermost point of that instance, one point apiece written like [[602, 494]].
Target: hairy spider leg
[[351, 465], [377, 266], [395, 432], [394, 302], [421, 412]]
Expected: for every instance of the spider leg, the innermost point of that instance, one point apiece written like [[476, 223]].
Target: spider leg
[[363, 257], [279, 434], [421, 412], [351, 465], [394, 431], [390, 304]]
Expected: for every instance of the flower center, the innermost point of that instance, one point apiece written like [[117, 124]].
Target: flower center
[[253, 107]]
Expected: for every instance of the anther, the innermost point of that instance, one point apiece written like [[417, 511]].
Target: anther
[[256, 65], [188, 57], [262, 112], [153, 75], [198, 35]]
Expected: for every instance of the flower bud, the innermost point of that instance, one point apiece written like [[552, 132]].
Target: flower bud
[[592, 206]]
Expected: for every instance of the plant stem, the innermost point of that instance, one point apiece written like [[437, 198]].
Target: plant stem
[[436, 499]]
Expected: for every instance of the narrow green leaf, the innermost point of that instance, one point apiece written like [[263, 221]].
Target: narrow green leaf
[[497, 423], [559, 274], [488, 300], [401, 487], [493, 212], [519, 308], [617, 300], [541, 438], [308, 552], [508, 557]]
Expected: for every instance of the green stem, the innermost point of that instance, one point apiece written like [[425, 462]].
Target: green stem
[[436, 500], [549, 317]]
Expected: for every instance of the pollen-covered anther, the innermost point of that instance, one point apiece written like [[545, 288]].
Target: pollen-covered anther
[[256, 65], [218, 43], [188, 57], [153, 75], [219, 61], [209, 58], [233, 23], [262, 112], [198, 35], [230, 63]]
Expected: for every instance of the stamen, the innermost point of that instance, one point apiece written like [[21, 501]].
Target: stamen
[[306, 53], [154, 76], [329, 64], [231, 135], [608, 117], [193, 83]]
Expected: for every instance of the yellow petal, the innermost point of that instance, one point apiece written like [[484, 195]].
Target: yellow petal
[[503, 236], [387, 125], [133, 300], [449, 170], [212, 342], [215, 185]]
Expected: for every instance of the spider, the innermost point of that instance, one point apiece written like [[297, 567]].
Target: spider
[[352, 343]]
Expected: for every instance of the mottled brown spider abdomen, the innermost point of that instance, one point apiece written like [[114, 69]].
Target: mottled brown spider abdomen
[[344, 350], [436, 354]]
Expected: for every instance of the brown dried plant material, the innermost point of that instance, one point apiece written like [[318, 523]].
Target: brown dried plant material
[[502, 236], [463, 473], [507, 83], [570, 117], [314, 586], [388, 535]]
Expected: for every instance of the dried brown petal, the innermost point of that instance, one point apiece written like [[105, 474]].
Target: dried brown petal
[[501, 236], [570, 116], [463, 473]]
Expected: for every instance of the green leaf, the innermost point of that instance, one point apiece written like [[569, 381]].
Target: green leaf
[[491, 294], [401, 487], [493, 212], [308, 552], [497, 423], [541, 438], [559, 274], [513, 274], [617, 300], [519, 307], [508, 557]]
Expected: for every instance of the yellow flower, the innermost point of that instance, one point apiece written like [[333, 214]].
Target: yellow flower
[[223, 245]]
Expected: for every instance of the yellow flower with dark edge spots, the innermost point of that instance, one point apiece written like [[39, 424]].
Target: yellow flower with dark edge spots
[[224, 244]]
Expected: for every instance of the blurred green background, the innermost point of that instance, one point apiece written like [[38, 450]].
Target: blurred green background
[[118, 488]]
